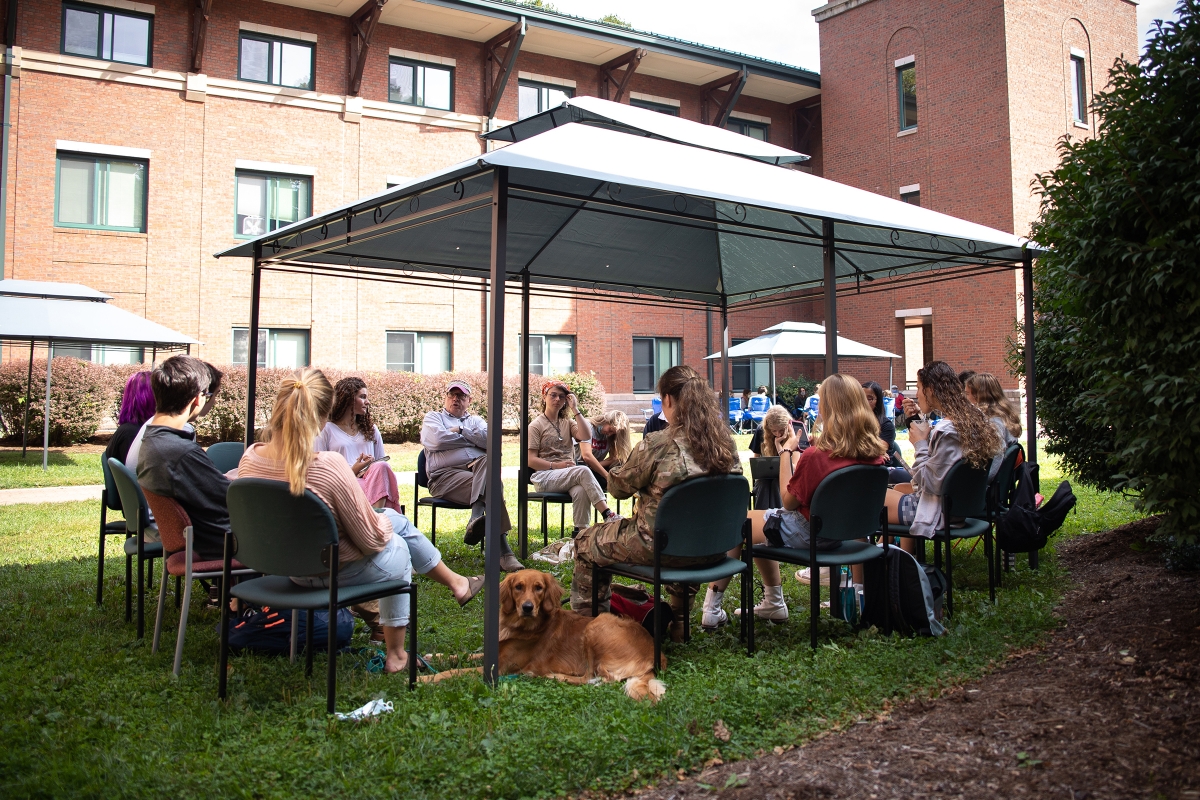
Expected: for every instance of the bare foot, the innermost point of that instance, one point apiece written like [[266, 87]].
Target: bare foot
[[395, 663]]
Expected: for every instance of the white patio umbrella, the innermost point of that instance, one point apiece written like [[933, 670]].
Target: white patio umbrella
[[801, 340]]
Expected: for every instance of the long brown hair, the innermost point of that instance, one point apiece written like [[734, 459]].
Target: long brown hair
[[980, 442], [343, 399], [776, 417], [850, 428], [300, 411], [620, 421], [989, 396], [699, 417]]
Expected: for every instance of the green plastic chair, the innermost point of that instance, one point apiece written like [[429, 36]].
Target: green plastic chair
[[136, 525], [699, 518], [278, 534], [226, 455], [999, 498], [110, 500], [849, 504], [964, 494]]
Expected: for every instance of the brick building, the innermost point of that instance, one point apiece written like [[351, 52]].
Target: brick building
[[147, 137]]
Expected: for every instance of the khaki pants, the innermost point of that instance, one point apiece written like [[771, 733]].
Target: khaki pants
[[467, 487], [580, 483]]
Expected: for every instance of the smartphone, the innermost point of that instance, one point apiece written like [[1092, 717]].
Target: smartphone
[[385, 458]]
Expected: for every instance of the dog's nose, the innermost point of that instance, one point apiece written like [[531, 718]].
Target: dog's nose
[[527, 608]]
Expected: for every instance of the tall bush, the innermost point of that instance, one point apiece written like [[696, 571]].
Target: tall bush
[[1118, 295], [80, 397]]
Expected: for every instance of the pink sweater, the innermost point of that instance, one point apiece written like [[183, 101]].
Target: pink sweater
[[360, 529]]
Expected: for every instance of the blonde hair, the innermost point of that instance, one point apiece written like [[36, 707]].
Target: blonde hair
[[776, 417], [850, 427], [989, 397], [622, 447], [301, 408], [700, 419]]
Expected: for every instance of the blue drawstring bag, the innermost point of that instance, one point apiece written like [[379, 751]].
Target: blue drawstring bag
[[265, 630]]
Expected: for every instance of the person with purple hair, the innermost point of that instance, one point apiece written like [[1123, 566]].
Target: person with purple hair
[[137, 406]]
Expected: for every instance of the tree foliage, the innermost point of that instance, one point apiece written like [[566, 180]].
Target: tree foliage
[[1118, 295]]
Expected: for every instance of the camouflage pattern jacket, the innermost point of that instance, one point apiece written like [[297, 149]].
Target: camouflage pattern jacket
[[658, 462]]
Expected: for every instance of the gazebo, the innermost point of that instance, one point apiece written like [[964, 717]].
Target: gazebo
[[50, 313], [593, 200]]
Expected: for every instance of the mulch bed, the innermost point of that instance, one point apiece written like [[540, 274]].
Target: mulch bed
[[1108, 708]]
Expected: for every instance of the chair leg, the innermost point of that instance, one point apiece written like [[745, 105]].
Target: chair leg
[[295, 634], [987, 554], [162, 602], [141, 598], [748, 610], [331, 656], [416, 506], [657, 628], [432, 525], [184, 611], [545, 527], [562, 520], [814, 601], [308, 644], [223, 657], [949, 578], [128, 587], [100, 558], [412, 637]]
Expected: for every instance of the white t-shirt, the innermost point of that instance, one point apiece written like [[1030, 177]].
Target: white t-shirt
[[335, 439]]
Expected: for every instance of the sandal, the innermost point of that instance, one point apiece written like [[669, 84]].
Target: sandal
[[474, 585]]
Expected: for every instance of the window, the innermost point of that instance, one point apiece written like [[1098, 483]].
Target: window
[[267, 59], [906, 92], [277, 347], [651, 358], [417, 84], [755, 130], [534, 98], [267, 202], [1078, 89], [426, 353], [106, 34], [913, 197], [104, 193], [649, 105], [749, 373], [551, 355], [101, 353], [918, 348]]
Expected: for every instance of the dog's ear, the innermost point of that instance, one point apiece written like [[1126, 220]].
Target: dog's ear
[[552, 598], [507, 604]]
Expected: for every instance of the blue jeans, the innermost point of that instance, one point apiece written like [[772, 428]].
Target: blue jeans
[[408, 551]]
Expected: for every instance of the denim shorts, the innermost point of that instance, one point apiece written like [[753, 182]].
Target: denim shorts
[[793, 527], [906, 511]]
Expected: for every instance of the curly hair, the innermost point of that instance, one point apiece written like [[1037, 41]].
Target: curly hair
[[699, 417], [980, 441], [989, 396], [343, 400], [851, 429]]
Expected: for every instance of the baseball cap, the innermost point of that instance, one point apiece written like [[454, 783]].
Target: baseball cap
[[460, 385]]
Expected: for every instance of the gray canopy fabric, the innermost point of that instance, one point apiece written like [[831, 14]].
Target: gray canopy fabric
[[70, 313]]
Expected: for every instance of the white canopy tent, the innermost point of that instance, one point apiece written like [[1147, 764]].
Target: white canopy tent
[[50, 313], [801, 340], [614, 212]]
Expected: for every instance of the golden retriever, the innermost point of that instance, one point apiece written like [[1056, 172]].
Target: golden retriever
[[539, 637]]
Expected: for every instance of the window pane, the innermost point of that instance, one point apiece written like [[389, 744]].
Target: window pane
[[555, 98], [123, 195], [562, 354], [400, 83], [106, 30], [76, 191], [437, 88], [435, 353], [401, 351], [913, 198], [289, 349], [251, 205], [296, 69], [643, 365], [907, 78], [81, 32], [1079, 88], [668, 356], [255, 55], [131, 39], [537, 355], [755, 132], [527, 101]]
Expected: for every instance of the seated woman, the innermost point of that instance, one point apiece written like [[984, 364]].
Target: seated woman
[[897, 472], [850, 435], [609, 445], [984, 391], [351, 432], [552, 438], [777, 427], [962, 433], [137, 406], [696, 442], [372, 546]]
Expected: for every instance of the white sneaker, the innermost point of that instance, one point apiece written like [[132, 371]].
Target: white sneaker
[[773, 607], [714, 616], [805, 575]]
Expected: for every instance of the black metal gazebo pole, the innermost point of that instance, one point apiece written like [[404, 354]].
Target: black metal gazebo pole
[[28, 400], [831, 359], [252, 343], [495, 369], [725, 355], [523, 423], [1030, 377]]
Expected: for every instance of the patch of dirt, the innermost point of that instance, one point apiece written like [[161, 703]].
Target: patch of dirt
[[1109, 708]]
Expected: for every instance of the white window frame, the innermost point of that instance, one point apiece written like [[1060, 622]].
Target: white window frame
[[418, 352], [267, 353]]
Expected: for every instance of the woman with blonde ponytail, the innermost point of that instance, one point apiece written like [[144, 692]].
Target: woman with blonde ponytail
[[372, 546], [695, 442]]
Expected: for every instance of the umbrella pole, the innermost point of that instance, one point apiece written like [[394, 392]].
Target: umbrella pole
[[495, 367], [523, 423], [28, 400], [772, 380], [46, 418]]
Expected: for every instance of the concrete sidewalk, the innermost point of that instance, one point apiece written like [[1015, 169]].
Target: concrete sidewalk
[[50, 494]]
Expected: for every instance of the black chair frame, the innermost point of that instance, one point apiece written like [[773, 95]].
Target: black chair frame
[[137, 547], [110, 500], [421, 478]]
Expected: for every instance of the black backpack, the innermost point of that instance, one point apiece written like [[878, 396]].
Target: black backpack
[[264, 630], [913, 594], [1024, 527]]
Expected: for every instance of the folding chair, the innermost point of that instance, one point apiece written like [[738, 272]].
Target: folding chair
[[421, 478], [136, 525], [110, 500]]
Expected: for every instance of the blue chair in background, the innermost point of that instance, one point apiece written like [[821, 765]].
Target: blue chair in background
[[759, 404]]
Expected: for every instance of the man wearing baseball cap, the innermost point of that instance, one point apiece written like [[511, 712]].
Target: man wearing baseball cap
[[455, 442]]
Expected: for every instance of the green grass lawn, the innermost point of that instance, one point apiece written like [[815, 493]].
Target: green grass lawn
[[74, 466], [88, 710]]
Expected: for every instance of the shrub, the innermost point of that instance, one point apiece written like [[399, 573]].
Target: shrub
[[1118, 347], [788, 388], [80, 397]]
